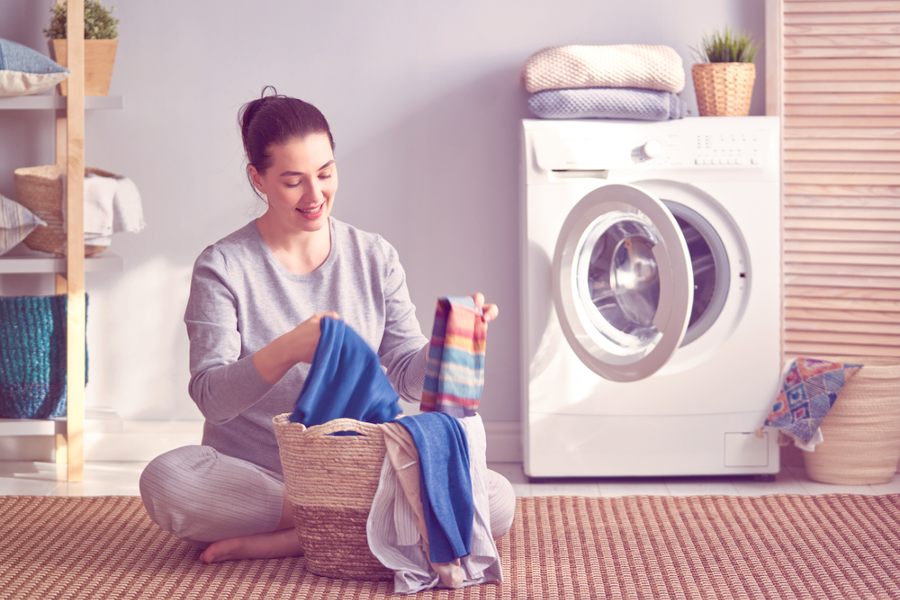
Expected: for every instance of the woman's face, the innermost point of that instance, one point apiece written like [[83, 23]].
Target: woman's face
[[301, 182]]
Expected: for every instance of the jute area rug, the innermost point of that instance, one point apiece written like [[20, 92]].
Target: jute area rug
[[839, 546]]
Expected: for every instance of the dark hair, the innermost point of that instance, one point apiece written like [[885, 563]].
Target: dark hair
[[274, 119]]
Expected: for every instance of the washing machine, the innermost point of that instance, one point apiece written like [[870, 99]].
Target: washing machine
[[651, 296]]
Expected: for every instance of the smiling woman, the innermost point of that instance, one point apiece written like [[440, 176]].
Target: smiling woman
[[290, 154], [253, 320]]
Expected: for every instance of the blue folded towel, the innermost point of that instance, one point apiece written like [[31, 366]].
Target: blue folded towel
[[607, 103], [345, 380], [447, 502]]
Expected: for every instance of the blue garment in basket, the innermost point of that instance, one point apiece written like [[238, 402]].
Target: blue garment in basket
[[345, 380], [447, 503]]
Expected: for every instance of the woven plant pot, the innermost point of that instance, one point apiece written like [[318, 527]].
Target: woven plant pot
[[40, 189], [330, 481], [723, 89], [33, 357], [99, 58], [861, 431]]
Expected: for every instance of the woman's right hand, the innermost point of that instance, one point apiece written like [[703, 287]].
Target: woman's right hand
[[303, 339], [297, 345]]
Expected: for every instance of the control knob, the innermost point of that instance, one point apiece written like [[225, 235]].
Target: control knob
[[652, 149]]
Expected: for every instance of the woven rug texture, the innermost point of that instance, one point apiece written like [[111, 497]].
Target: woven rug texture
[[841, 546]]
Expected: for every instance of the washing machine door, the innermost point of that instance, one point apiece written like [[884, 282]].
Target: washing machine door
[[623, 283]]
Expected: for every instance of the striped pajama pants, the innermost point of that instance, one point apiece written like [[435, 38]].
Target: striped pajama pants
[[202, 495]]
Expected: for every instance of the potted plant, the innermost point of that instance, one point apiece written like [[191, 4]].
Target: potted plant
[[724, 76], [101, 38]]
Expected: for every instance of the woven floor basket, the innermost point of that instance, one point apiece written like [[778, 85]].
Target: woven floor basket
[[41, 190], [723, 89], [861, 431], [330, 481]]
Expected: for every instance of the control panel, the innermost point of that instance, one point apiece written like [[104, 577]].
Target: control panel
[[729, 149], [570, 148], [744, 149]]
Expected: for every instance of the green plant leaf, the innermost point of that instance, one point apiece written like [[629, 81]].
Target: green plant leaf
[[99, 24], [726, 46]]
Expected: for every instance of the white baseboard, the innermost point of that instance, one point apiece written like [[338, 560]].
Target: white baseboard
[[141, 441]]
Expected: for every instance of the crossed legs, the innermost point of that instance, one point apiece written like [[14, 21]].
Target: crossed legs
[[239, 510]]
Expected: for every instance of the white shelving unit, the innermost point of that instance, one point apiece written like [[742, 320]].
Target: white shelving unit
[[22, 261], [69, 271]]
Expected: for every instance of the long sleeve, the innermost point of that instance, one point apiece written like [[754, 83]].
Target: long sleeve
[[223, 383], [242, 298], [403, 348]]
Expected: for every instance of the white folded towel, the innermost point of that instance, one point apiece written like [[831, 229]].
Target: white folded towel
[[112, 204], [99, 195], [616, 66], [128, 213]]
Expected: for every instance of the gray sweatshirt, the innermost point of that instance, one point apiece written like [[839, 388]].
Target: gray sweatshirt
[[242, 298]]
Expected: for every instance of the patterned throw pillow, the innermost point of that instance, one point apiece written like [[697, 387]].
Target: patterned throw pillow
[[16, 222], [26, 71], [808, 391]]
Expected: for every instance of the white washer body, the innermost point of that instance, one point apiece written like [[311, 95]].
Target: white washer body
[[673, 393]]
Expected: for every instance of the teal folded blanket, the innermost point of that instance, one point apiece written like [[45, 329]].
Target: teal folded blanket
[[33, 356]]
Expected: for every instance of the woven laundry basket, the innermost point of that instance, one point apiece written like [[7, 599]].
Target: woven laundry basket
[[330, 481], [861, 431], [41, 189], [723, 89]]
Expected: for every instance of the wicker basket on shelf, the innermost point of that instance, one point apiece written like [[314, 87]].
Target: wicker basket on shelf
[[723, 89], [330, 481], [41, 190], [861, 431]]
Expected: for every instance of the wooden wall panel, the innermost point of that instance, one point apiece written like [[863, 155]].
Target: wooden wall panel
[[838, 88]]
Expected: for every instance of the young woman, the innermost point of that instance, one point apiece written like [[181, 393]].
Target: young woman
[[256, 300]]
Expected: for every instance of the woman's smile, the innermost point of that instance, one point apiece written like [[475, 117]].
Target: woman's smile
[[312, 212]]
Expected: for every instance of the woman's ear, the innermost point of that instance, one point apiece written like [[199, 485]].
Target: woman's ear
[[256, 179]]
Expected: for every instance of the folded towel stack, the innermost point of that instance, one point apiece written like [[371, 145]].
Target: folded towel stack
[[626, 81], [112, 204]]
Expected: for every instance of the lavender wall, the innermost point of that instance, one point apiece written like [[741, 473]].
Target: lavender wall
[[424, 99]]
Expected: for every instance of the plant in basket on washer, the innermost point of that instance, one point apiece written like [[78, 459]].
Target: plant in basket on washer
[[724, 76], [101, 39]]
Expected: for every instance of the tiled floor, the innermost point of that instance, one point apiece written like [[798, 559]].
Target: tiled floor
[[121, 479]]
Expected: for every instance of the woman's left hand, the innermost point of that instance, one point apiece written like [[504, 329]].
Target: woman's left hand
[[489, 311]]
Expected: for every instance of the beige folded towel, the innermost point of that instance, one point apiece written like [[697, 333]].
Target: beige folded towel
[[617, 66]]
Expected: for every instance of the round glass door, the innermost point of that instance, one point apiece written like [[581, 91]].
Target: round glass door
[[710, 266], [623, 282]]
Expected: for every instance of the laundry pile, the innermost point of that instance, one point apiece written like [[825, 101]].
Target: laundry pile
[[429, 520], [809, 389], [625, 81]]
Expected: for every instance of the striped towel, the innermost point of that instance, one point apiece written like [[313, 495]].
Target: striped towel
[[454, 372]]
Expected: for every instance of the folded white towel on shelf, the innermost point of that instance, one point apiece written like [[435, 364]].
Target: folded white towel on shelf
[[99, 195], [112, 204], [652, 67], [128, 213]]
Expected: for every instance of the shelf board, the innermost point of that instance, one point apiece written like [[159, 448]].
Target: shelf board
[[50, 102], [16, 427], [22, 260]]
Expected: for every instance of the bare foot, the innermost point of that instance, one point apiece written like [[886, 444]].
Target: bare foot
[[276, 544]]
